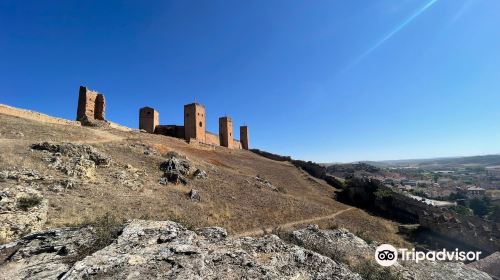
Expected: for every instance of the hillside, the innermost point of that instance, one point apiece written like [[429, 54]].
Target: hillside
[[242, 191], [112, 202]]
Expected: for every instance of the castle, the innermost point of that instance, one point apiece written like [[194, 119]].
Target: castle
[[194, 128], [92, 105]]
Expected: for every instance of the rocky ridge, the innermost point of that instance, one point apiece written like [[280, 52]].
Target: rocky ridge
[[164, 250]]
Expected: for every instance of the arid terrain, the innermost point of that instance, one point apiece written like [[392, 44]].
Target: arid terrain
[[231, 196], [112, 202]]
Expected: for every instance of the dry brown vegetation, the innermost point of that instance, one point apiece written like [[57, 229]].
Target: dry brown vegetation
[[230, 197]]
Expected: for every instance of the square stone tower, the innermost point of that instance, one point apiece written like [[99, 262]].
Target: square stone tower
[[149, 119], [91, 105], [226, 132], [194, 122], [244, 137]]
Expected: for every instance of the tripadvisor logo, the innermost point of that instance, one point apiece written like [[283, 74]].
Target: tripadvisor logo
[[387, 255]]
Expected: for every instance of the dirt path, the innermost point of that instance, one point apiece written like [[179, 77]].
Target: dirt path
[[290, 224]]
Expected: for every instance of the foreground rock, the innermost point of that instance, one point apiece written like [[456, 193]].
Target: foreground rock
[[345, 247], [490, 264], [164, 250], [22, 210]]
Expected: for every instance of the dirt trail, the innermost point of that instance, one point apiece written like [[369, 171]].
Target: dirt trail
[[290, 224]]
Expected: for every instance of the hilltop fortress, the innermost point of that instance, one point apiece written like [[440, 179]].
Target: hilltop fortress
[[194, 128], [91, 111]]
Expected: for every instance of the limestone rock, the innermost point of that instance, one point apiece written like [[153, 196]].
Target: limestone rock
[[164, 250], [200, 174], [73, 159], [194, 195], [22, 210], [175, 170], [343, 246]]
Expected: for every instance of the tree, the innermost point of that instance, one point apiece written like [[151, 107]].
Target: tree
[[462, 210], [495, 214], [481, 207]]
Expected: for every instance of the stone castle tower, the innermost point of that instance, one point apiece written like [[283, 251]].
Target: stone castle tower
[[194, 122], [91, 105], [149, 119], [226, 132], [244, 136]]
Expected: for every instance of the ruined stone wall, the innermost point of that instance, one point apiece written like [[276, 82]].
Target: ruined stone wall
[[237, 144], [244, 137], [176, 131], [149, 119], [100, 107], [194, 122], [226, 132], [212, 139], [91, 105]]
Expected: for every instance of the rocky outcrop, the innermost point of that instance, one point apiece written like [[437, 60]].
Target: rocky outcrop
[[72, 159], [167, 250], [343, 246], [490, 264], [178, 169], [164, 250], [22, 210]]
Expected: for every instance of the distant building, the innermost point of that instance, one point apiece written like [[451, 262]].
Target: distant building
[[424, 183], [474, 191], [411, 183]]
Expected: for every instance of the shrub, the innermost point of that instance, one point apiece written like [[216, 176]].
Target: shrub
[[106, 229], [26, 202]]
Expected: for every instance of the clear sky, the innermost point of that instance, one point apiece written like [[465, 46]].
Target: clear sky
[[329, 81]]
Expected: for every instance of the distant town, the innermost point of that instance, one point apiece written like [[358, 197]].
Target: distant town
[[470, 185]]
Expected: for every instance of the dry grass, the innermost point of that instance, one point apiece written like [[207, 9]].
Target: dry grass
[[229, 197], [368, 227]]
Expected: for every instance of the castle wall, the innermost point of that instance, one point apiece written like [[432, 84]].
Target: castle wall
[[237, 144], [226, 132], [194, 129], [194, 122], [212, 139], [149, 119], [176, 131]]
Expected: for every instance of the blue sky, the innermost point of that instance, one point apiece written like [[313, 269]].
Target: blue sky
[[329, 81]]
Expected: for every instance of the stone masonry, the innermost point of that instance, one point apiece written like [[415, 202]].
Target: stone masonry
[[194, 122], [244, 136], [226, 132], [91, 106], [149, 119], [194, 129]]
